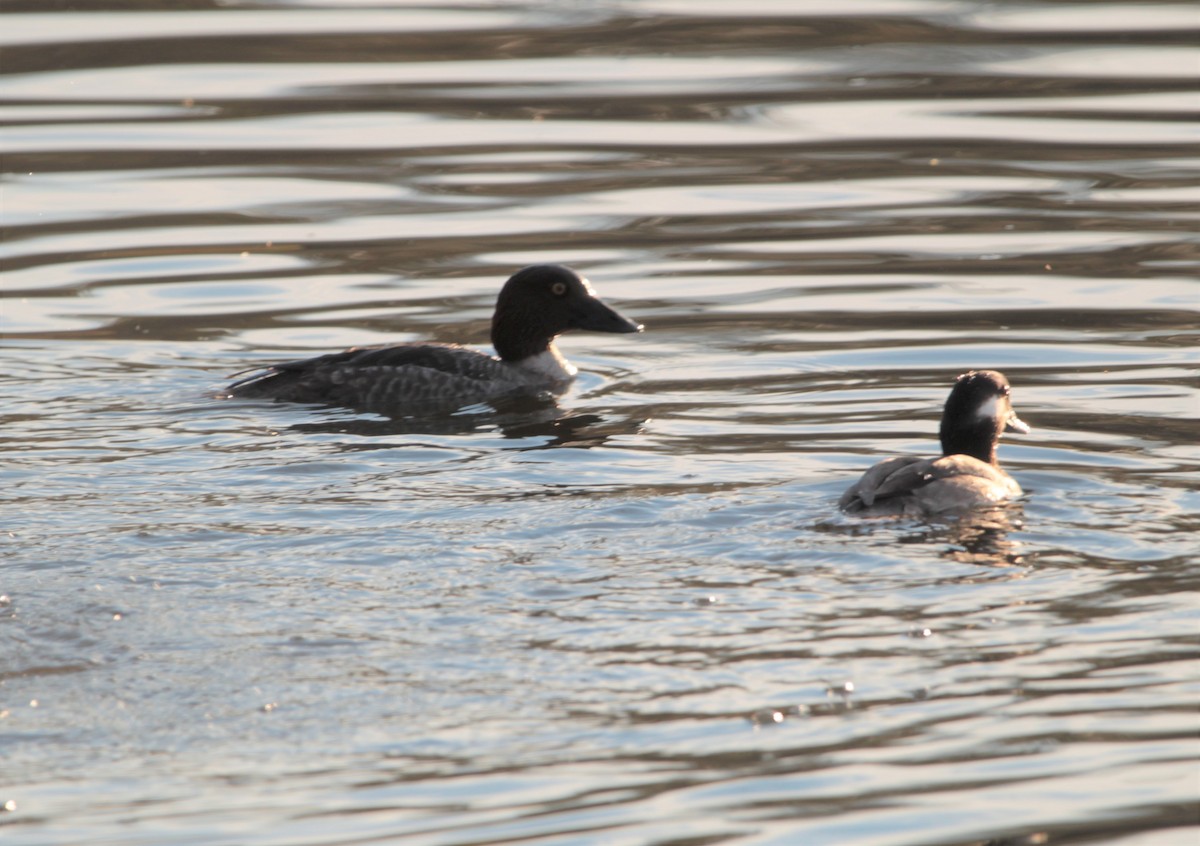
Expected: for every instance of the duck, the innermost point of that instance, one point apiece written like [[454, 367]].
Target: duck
[[966, 475], [535, 306]]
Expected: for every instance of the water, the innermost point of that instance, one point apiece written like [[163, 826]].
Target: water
[[633, 617]]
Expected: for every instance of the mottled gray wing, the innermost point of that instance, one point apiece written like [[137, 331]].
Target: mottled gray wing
[[877, 482], [388, 379], [929, 485], [916, 474]]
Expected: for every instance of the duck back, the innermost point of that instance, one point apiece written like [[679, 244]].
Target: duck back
[[921, 486], [398, 378]]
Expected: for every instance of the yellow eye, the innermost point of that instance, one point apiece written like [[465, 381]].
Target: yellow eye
[[559, 288]]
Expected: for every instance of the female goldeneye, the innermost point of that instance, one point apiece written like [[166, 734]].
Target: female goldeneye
[[535, 305], [967, 473]]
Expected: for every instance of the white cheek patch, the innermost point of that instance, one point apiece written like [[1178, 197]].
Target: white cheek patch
[[988, 409]]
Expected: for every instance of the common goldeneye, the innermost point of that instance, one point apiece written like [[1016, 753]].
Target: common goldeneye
[[966, 475], [535, 305]]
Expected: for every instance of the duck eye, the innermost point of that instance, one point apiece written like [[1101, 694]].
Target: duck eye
[[559, 288]]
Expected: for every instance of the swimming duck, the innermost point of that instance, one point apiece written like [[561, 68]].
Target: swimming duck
[[966, 475], [536, 304]]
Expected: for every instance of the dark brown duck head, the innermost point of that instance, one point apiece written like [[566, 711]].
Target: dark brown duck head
[[978, 411], [542, 301]]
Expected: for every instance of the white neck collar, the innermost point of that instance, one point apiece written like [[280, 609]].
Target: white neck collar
[[549, 364]]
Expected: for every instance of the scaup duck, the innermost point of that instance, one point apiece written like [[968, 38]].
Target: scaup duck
[[965, 476], [535, 306]]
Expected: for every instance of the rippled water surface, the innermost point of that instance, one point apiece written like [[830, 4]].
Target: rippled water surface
[[633, 616]]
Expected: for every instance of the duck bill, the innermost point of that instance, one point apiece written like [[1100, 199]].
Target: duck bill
[[1016, 425], [594, 316]]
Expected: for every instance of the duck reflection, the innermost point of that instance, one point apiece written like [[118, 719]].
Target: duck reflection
[[977, 537], [539, 420]]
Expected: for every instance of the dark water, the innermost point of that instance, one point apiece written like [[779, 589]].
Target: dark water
[[633, 617]]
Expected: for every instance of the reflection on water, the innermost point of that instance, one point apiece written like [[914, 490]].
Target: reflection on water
[[981, 537], [632, 615]]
